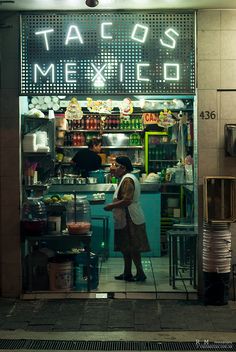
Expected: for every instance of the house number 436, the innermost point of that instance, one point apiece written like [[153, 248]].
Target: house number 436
[[207, 115]]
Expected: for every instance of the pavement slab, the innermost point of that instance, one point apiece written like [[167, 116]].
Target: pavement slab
[[115, 315]]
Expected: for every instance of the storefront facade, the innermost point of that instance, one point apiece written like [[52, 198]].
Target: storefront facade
[[209, 99]]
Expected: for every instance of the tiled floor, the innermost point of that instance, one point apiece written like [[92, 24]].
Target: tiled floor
[[156, 269], [155, 287]]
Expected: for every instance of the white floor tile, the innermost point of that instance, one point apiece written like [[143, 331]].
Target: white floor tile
[[156, 270]]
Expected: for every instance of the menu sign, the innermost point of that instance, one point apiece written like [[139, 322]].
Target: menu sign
[[108, 53]]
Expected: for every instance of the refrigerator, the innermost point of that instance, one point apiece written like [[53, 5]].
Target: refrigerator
[[160, 152]]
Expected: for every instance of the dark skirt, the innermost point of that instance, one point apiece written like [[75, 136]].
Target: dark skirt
[[131, 238]]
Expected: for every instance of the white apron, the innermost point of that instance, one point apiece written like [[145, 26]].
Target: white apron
[[135, 210]]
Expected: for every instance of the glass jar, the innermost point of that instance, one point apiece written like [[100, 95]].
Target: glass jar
[[78, 216], [34, 217]]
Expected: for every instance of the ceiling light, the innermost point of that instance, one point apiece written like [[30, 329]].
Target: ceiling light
[[91, 3]]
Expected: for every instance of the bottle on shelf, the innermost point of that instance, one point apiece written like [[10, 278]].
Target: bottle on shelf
[[59, 172]]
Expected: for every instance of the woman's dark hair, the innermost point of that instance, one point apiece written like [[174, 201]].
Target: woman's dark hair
[[125, 161], [94, 142]]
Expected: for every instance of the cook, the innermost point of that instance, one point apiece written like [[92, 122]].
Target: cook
[[86, 160]]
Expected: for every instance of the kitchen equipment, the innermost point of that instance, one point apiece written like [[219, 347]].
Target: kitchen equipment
[[68, 180], [56, 180], [80, 181], [117, 139], [98, 174], [92, 180], [107, 177]]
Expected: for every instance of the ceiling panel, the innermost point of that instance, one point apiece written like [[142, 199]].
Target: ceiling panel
[[24, 5]]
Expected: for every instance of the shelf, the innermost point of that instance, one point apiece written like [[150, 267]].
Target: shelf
[[37, 187], [72, 146], [134, 164], [36, 153], [107, 131], [137, 111], [105, 147], [123, 147], [59, 235], [163, 160], [34, 118], [161, 143], [103, 165]]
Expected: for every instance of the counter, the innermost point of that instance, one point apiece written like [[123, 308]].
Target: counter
[[150, 201], [110, 187], [99, 187]]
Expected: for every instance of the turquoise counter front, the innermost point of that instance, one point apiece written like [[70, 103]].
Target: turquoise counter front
[[150, 201]]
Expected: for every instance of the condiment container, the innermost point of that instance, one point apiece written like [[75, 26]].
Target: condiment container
[[78, 216], [34, 217]]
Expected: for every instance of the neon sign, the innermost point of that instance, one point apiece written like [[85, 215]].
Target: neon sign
[[98, 53]]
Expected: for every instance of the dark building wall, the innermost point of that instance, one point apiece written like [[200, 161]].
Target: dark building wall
[[10, 261]]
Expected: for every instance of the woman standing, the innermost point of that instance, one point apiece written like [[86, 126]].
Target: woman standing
[[129, 223]]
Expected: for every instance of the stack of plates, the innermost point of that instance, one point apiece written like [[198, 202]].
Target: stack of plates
[[29, 143], [45, 103]]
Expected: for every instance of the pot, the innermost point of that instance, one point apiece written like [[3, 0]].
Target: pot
[[98, 174], [107, 177], [80, 181], [56, 181], [92, 180], [68, 180]]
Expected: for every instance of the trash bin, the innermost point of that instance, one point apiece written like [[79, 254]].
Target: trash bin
[[216, 288]]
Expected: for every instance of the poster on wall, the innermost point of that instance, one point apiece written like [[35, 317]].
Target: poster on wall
[[108, 53]]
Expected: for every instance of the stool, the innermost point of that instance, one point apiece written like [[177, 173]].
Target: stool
[[105, 234], [182, 256]]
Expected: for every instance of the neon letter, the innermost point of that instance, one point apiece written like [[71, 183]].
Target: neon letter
[[98, 74], [45, 36], [76, 36], [121, 72], [172, 46], [51, 67], [139, 78], [103, 30], [145, 32], [169, 69], [68, 71]]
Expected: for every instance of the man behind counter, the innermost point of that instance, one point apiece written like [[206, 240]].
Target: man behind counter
[[86, 160]]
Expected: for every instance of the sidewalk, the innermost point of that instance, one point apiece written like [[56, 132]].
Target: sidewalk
[[116, 325], [115, 315]]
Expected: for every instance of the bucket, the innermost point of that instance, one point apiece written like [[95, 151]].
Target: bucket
[[60, 276]]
